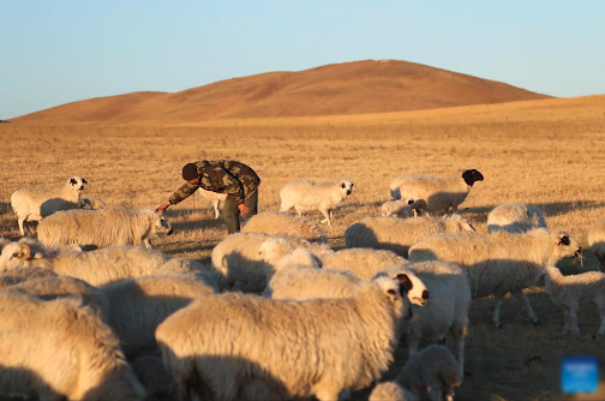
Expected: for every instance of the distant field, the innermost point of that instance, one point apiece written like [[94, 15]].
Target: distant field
[[547, 153]]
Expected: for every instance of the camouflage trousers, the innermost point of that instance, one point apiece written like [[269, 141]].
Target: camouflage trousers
[[231, 211]]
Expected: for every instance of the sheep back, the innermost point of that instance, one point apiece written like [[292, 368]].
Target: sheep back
[[515, 218], [281, 222]]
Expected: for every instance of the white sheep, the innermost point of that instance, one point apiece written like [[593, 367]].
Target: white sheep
[[398, 235], [15, 276], [310, 195], [500, 262], [92, 203], [239, 260], [50, 288], [139, 305], [515, 218], [439, 194], [106, 227], [391, 391], [275, 223], [215, 197], [570, 291], [406, 209], [100, 267], [60, 350], [434, 370], [445, 315], [596, 240], [35, 204], [218, 338]]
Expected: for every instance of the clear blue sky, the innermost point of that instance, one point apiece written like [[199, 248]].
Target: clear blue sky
[[53, 52]]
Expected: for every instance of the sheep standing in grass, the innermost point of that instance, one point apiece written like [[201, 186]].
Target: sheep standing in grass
[[439, 194], [391, 391], [445, 315], [399, 235], [99, 228], [433, 370], [60, 350], [242, 265], [98, 267], [139, 305], [570, 291], [500, 262], [275, 223], [35, 204], [218, 338], [596, 240], [515, 218], [215, 197], [92, 203], [310, 195], [50, 288]]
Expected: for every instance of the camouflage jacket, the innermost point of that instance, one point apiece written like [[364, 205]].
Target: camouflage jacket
[[224, 176]]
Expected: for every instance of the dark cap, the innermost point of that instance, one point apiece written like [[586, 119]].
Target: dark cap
[[189, 172]]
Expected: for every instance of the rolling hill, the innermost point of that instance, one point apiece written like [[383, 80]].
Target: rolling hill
[[348, 88]]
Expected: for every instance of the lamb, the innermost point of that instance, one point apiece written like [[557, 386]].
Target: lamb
[[100, 228], [20, 275], [50, 288], [98, 267], [279, 222], [139, 305], [59, 349], [500, 262], [570, 291], [35, 204], [200, 342], [596, 240], [406, 209], [515, 218], [391, 391], [433, 370], [366, 263], [439, 194], [399, 235], [445, 315], [214, 197], [92, 203], [242, 266], [310, 195]]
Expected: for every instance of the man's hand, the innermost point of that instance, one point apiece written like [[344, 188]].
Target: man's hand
[[163, 207], [243, 209]]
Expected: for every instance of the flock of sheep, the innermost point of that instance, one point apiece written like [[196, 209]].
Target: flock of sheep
[[91, 312]]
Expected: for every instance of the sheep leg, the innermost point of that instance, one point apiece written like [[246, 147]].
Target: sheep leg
[[20, 222], [457, 338], [298, 210], [147, 243], [412, 348], [601, 307], [326, 213], [216, 203], [499, 299], [530, 312], [566, 327], [573, 319]]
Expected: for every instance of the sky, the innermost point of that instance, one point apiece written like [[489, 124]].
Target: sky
[[55, 51]]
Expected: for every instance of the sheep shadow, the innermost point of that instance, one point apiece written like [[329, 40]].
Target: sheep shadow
[[370, 240], [549, 208]]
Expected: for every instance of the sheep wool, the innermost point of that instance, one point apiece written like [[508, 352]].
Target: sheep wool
[[101, 228], [35, 204], [298, 356], [59, 349], [310, 195], [515, 218], [399, 235], [439, 194], [570, 291], [391, 391], [92, 203], [500, 262], [275, 223], [139, 305], [596, 240]]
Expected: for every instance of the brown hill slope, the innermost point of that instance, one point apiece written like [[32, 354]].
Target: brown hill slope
[[348, 88]]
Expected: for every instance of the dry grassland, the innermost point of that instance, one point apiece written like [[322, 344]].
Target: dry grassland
[[545, 153]]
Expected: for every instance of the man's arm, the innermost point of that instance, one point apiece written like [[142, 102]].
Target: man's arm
[[182, 193]]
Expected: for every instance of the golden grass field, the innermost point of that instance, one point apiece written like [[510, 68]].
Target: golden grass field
[[547, 153]]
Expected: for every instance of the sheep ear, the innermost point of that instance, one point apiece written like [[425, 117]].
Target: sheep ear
[[405, 282], [393, 293]]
